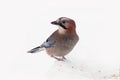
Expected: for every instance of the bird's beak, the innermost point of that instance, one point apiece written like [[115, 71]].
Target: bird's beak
[[55, 23]]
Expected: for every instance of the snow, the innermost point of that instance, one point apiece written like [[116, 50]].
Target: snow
[[25, 24]]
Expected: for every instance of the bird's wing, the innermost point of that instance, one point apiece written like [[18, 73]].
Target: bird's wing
[[47, 44], [50, 41]]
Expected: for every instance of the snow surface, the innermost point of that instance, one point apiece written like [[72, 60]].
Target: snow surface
[[25, 24]]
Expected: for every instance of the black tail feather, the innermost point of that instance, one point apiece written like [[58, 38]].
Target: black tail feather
[[34, 50]]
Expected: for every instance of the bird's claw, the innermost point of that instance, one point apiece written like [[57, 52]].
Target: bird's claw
[[59, 59]]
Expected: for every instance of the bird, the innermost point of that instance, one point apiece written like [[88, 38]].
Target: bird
[[62, 41]]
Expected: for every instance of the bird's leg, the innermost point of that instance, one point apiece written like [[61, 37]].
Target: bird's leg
[[64, 57], [59, 59]]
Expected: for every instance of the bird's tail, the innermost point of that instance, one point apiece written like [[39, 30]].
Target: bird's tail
[[37, 49]]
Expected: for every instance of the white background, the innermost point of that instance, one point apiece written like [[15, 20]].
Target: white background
[[25, 24]]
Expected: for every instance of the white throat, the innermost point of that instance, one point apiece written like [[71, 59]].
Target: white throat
[[61, 30]]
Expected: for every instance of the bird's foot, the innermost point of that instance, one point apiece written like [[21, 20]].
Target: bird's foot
[[59, 59], [63, 58]]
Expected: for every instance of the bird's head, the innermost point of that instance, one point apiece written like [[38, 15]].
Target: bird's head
[[65, 24]]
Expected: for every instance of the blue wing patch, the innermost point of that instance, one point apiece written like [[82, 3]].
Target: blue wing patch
[[48, 44]]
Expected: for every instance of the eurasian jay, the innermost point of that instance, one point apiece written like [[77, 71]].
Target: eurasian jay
[[62, 41]]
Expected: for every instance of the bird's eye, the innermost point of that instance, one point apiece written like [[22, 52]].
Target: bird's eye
[[63, 21]]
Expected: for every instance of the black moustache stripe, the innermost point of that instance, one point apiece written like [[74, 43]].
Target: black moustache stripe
[[62, 26]]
